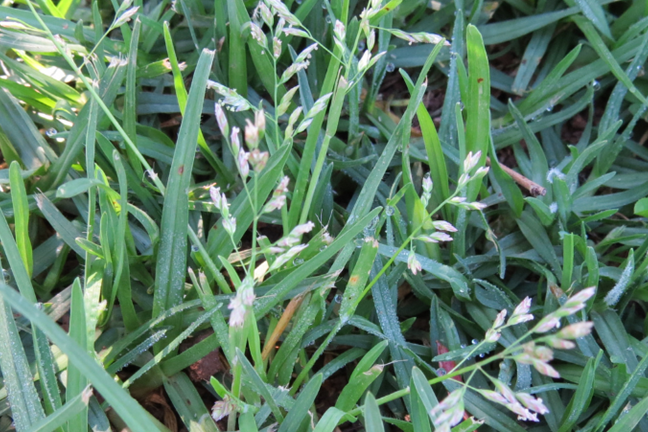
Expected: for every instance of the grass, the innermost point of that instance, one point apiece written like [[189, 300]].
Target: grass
[[323, 215]]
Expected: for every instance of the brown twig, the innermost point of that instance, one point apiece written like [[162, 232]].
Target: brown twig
[[534, 188]]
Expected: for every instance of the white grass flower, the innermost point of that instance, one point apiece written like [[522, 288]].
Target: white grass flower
[[235, 140], [504, 390], [547, 323], [284, 104], [302, 229], [371, 40], [237, 316], [492, 336], [444, 226], [499, 320], [523, 308], [258, 35], [243, 165], [291, 31], [532, 403], [219, 199], [266, 15], [287, 256], [413, 264], [435, 237], [339, 30], [292, 70], [471, 161], [229, 224], [576, 330], [476, 206], [519, 319], [558, 343], [523, 413], [364, 61], [494, 396], [251, 134], [281, 10], [276, 47], [258, 159], [545, 369], [221, 119], [306, 53]]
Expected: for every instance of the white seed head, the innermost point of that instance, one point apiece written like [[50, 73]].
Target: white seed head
[[221, 119], [412, 263]]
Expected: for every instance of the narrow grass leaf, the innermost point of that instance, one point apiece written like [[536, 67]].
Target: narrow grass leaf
[[72, 407], [302, 405], [188, 403], [582, 397], [371, 412], [172, 256], [76, 380], [19, 383], [621, 397]]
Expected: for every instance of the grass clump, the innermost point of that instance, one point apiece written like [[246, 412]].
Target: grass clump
[[323, 215]]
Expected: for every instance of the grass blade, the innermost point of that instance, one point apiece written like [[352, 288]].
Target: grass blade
[[172, 256]]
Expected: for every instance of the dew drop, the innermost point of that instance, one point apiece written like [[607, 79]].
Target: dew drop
[[550, 108], [298, 2], [298, 261], [389, 210], [474, 341], [358, 242], [463, 346], [51, 132], [194, 248], [596, 85], [322, 248], [328, 20], [337, 298], [482, 355], [361, 45], [441, 372], [391, 67]]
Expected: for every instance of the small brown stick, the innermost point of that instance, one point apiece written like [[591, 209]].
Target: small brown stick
[[534, 188], [281, 325]]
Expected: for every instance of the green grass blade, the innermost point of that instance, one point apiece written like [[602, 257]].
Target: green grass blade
[[330, 420], [127, 408], [76, 380], [594, 12], [478, 102], [582, 397], [71, 408], [630, 420], [299, 411], [258, 385], [623, 394], [172, 257], [607, 57], [237, 55], [19, 382], [21, 215], [188, 403], [373, 419], [130, 97]]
